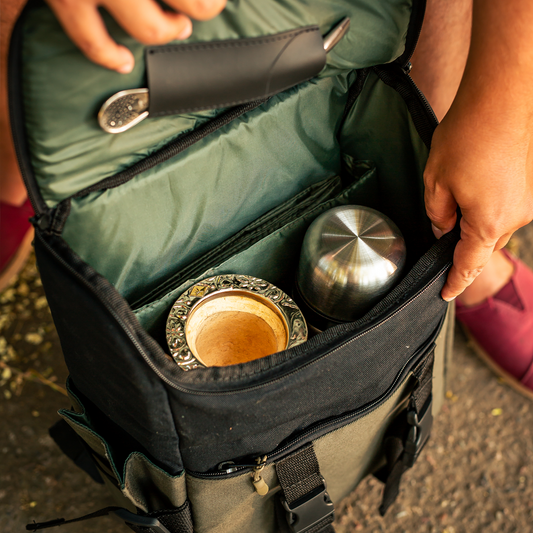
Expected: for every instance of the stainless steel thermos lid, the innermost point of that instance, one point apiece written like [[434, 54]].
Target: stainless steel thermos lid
[[351, 257]]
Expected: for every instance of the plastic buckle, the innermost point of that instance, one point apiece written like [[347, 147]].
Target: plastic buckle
[[418, 433], [153, 524], [309, 510]]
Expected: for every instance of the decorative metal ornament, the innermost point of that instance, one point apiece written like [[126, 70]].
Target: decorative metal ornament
[[124, 109], [203, 325]]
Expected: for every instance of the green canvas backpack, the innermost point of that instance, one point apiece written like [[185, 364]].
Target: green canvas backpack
[[253, 130]]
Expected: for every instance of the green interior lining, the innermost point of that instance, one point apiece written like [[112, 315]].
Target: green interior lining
[[142, 234], [274, 257], [149, 228], [63, 90], [262, 160]]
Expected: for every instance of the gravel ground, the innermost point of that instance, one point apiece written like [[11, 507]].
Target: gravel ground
[[475, 475]]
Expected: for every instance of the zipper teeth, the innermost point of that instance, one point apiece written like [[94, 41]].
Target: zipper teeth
[[422, 98], [170, 150], [304, 436]]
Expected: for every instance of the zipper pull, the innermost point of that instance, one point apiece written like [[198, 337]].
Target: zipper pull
[[259, 483]]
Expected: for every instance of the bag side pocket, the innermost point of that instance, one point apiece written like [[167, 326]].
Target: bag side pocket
[[136, 482]]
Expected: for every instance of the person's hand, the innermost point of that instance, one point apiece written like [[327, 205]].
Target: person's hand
[[144, 20], [481, 157], [481, 160]]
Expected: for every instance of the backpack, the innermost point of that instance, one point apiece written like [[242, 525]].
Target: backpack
[[252, 132]]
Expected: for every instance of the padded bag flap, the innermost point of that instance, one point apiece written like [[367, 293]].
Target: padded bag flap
[[54, 114], [230, 72]]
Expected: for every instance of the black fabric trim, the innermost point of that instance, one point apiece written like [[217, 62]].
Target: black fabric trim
[[395, 441], [353, 93], [74, 448], [423, 116], [59, 217]]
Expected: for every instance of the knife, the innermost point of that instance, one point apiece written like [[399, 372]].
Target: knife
[[125, 109]]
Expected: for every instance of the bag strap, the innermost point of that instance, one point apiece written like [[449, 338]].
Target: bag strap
[[409, 433], [305, 498], [167, 521]]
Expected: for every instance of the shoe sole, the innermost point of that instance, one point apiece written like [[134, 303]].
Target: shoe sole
[[18, 261], [500, 372]]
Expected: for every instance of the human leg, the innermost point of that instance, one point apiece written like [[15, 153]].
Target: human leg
[[15, 230], [497, 308]]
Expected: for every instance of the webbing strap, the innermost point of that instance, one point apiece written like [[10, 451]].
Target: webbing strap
[[305, 498], [60, 521], [409, 436], [177, 520]]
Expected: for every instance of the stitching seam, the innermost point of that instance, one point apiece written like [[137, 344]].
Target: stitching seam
[[253, 41]]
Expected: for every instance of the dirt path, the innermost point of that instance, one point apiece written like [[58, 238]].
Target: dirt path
[[475, 475]]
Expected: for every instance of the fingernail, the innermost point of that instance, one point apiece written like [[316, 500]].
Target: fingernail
[[126, 68], [449, 298], [187, 30], [128, 62], [436, 231]]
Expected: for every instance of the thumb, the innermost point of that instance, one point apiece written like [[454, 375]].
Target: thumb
[[441, 208]]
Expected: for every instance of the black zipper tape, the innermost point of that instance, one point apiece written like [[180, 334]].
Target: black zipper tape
[[423, 116]]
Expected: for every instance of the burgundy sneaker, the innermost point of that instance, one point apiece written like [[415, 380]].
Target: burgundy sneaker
[[501, 329], [16, 234]]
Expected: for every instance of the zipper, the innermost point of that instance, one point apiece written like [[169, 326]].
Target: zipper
[[43, 216], [423, 116], [231, 469], [420, 94], [259, 483], [43, 212]]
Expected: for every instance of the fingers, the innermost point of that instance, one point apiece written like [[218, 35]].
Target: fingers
[[147, 22], [84, 25], [144, 20], [441, 208], [198, 9], [469, 259], [471, 254]]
